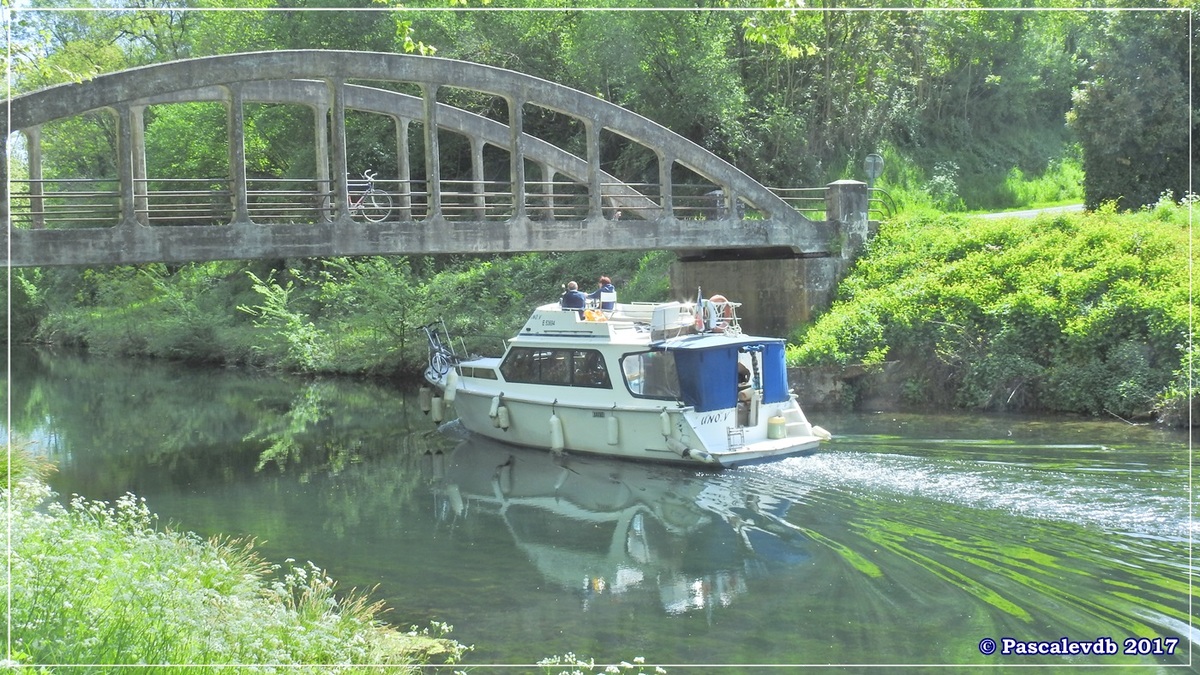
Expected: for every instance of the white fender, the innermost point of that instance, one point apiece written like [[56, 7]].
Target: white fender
[[664, 422], [423, 398], [451, 385], [436, 409], [614, 430], [557, 442], [495, 409], [821, 433], [502, 418]]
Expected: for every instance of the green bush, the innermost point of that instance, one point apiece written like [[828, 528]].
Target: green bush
[[1079, 313], [101, 584]]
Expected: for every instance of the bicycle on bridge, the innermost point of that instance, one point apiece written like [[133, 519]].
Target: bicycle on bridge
[[367, 202]]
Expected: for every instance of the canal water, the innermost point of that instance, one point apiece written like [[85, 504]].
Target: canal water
[[908, 539]]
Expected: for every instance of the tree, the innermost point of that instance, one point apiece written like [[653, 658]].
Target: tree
[[1132, 114]]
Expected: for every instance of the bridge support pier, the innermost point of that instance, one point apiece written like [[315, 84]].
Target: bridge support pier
[[778, 289]]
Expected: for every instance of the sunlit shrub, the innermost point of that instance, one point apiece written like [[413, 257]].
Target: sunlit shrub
[[99, 584], [1082, 313]]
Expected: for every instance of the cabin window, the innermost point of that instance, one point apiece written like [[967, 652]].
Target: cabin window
[[479, 373], [564, 367], [651, 375]]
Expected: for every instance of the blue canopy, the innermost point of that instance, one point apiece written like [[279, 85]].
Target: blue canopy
[[708, 370]]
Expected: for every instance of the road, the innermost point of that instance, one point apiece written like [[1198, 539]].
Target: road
[[1071, 208]]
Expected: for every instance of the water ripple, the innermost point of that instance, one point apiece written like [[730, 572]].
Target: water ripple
[[1121, 501]]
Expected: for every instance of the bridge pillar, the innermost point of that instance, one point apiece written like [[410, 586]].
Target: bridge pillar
[[320, 113], [404, 168], [125, 161], [547, 175], [341, 182], [141, 190], [846, 204], [237, 154], [37, 206], [780, 291], [433, 162]]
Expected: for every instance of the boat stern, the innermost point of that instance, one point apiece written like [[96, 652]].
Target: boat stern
[[728, 438]]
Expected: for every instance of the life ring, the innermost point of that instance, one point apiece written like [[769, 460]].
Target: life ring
[[722, 305], [714, 314]]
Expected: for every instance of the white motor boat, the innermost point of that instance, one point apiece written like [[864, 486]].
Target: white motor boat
[[667, 382]]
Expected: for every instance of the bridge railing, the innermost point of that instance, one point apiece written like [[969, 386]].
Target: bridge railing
[[183, 201], [77, 203], [556, 200], [881, 203], [812, 201], [282, 201], [808, 201], [64, 203]]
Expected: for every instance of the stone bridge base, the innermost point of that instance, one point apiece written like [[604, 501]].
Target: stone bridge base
[[777, 295]]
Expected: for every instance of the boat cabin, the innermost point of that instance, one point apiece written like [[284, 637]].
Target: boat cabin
[[655, 350]]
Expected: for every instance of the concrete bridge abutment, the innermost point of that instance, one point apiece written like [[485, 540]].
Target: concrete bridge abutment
[[780, 290]]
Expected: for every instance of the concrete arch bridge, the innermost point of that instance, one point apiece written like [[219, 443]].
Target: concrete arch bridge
[[541, 196]]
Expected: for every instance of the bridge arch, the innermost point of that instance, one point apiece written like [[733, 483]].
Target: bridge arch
[[329, 80]]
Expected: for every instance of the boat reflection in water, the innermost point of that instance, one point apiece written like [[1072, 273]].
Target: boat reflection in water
[[606, 527]]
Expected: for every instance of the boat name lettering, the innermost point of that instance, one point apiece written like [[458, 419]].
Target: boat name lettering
[[716, 417]]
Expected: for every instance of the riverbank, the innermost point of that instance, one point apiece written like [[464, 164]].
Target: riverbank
[[106, 584], [885, 387], [1082, 313]]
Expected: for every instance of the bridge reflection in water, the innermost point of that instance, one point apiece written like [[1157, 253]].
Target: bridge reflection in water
[[602, 527]]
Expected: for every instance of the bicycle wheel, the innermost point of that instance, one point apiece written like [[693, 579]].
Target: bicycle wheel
[[325, 212], [376, 206], [440, 362]]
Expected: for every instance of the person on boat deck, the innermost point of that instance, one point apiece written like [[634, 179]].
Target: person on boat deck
[[743, 384], [606, 294], [573, 298]]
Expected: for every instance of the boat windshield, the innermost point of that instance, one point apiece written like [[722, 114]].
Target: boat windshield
[[651, 375]]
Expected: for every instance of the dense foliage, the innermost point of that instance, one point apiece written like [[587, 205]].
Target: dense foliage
[[1132, 113], [1080, 313], [956, 100], [352, 315]]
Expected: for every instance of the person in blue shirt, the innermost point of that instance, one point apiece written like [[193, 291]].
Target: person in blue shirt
[[606, 294], [573, 298]]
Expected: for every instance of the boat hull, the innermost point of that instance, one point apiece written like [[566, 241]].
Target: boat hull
[[622, 432]]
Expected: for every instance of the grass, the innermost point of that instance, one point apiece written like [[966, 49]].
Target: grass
[[103, 585], [994, 183]]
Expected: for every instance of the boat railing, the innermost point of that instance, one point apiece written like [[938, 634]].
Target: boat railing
[[448, 350], [476, 346]]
